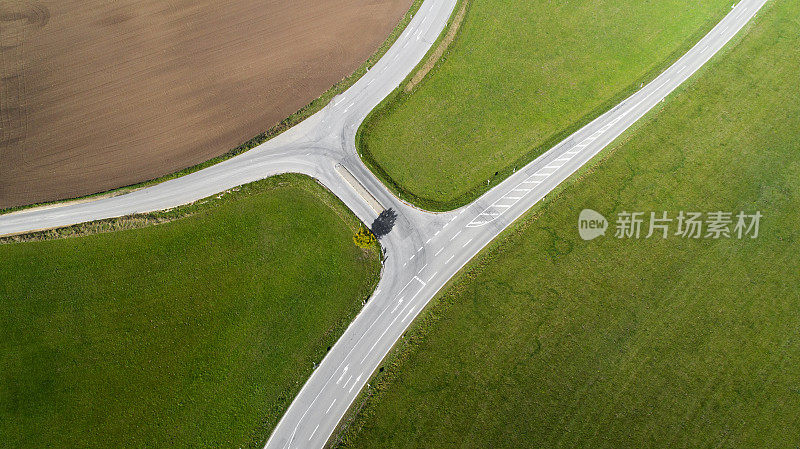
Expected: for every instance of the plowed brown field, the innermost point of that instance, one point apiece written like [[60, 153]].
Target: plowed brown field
[[96, 94]]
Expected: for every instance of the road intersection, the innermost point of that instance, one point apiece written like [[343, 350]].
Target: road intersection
[[424, 250]]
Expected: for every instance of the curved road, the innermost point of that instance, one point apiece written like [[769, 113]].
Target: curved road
[[424, 250]]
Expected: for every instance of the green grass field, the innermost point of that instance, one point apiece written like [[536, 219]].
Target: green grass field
[[520, 77], [549, 341], [194, 333]]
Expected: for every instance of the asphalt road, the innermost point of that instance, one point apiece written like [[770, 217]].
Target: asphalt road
[[424, 250]]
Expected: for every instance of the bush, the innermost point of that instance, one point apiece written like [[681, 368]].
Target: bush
[[364, 238]]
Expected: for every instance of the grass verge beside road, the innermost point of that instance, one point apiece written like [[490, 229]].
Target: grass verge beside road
[[519, 77], [193, 333], [546, 340]]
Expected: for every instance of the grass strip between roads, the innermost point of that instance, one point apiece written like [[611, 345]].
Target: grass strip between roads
[[547, 340], [292, 120], [518, 78], [197, 332]]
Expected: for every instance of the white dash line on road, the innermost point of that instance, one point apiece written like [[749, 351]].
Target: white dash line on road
[[398, 305], [354, 384], [423, 267], [312, 433], [437, 233], [429, 240], [420, 249], [438, 252], [381, 336], [448, 260], [467, 243], [456, 235], [433, 275], [409, 313], [330, 406], [343, 373]]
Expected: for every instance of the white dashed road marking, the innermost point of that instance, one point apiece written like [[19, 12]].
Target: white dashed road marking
[[354, 384], [409, 313]]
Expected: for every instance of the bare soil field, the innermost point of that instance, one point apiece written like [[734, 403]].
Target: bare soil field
[[96, 95]]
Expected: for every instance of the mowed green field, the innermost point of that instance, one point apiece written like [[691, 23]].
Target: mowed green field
[[194, 333], [550, 341], [520, 77]]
